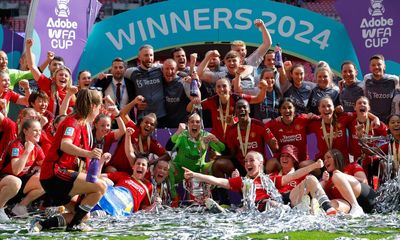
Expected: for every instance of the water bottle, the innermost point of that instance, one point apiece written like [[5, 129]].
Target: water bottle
[[194, 88], [93, 171], [278, 56]]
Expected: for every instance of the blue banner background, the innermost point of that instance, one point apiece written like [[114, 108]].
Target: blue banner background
[[292, 21]]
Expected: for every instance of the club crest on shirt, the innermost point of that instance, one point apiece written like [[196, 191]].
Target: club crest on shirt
[[15, 152], [297, 126], [253, 134], [69, 131]]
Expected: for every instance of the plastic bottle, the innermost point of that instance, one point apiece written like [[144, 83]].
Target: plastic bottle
[[278, 56], [194, 88], [93, 171]]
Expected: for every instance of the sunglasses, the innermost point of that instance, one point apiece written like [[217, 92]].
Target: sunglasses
[[96, 88]]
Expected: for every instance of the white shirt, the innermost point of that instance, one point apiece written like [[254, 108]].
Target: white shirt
[[111, 90]]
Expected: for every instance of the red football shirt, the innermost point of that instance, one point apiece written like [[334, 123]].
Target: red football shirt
[[44, 83], [8, 132], [119, 159], [212, 104], [339, 135], [16, 150], [258, 137], [9, 96], [237, 183], [141, 190], [294, 134], [69, 128]]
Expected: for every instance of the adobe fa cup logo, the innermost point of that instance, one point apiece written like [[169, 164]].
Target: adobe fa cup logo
[[377, 8], [62, 9]]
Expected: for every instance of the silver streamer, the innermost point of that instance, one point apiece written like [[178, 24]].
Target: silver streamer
[[388, 196], [182, 224], [269, 186]]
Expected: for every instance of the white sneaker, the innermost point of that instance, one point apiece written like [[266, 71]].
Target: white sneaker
[[3, 216], [20, 211], [356, 211], [213, 206]]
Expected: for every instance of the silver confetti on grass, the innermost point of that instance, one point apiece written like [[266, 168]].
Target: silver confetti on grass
[[184, 224]]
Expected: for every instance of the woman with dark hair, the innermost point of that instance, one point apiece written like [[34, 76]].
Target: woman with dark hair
[[60, 175], [359, 128], [300, 90], [142, 141], [347, 194], [295, 183], [84, 79], [39, 101], [19, 168], [394, 134], [331, 130], [268, 109], [222, 105], [291, 128]]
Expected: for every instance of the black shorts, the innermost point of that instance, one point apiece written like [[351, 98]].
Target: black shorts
[[58, 189], [367, 198], [286, 197], [24, 179]]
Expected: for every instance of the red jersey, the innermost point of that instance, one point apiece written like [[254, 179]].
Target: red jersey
[[44, 83], [212, 104], [353, 168], [355, 148], [15, 150], [339, 135], [258, 137], [49, 125], [236, 184], [8, 133], [141, 190], [9, 95], [119, 159], [294, 134], [287, 187], [55, 159]]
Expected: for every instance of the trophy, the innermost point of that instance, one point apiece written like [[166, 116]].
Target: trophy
[[249, 193], [200, 191]]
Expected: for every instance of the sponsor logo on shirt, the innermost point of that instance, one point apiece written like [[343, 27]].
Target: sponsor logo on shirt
[[15, 152], [380, 95], [69, 131], [291, 138]]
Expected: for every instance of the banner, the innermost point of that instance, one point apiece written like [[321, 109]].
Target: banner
[[374, 28], [61, 26], [12, 44], [168, 24]]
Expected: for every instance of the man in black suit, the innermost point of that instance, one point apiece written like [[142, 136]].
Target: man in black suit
[[120, 89]]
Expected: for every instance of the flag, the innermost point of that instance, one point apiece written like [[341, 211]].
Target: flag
[[61, 26]]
